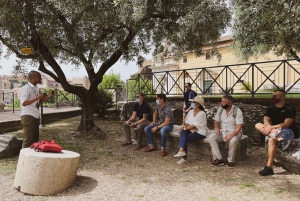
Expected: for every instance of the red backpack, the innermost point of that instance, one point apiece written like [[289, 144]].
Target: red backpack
[[46, 146]]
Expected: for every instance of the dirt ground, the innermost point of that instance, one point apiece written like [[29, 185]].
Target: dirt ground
[[108, 171]]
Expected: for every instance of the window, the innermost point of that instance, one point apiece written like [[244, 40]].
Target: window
[[207, 56], [184, 59]]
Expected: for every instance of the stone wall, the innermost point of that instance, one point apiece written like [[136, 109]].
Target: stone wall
[[253, 113]]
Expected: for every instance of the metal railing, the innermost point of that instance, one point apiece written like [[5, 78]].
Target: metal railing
[[249, 78], [61, 98], [10, 101]]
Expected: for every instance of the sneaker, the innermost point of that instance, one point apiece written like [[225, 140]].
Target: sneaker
[[266, 171], [182, 161], [217, 162], [231, 165], [180, 154]]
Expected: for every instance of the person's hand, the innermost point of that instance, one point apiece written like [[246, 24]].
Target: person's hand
[[154, 129], [42, 96], [181, 128], [217, 131], [267, 130], [132, 124], [152, 123], [128, 122], [53, 92], [228, 137]]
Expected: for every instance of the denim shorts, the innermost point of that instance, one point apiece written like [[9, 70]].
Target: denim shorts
[[286, 134]]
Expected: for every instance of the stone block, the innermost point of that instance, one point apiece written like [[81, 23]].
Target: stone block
[[45, 173], [9, 146], [2, 105], [202, 147], [290, 163]]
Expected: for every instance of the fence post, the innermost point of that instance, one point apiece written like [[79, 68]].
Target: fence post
[[13, 101], [41, 120], [252, 91]]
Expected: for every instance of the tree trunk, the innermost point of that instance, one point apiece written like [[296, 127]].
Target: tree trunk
[[87, 125]]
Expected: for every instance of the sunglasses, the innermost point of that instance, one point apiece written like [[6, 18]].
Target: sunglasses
[[274, 96], [137, 97]]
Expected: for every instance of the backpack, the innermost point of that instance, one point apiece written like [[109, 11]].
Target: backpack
[[233, 114], [46, 146]]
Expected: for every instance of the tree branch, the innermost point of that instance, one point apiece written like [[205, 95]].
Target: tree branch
[[17, 53]]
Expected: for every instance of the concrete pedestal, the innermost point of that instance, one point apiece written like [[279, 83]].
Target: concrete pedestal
[[45, 173]]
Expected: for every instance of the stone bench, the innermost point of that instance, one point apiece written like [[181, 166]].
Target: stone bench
[[45, 173], [201, 147], [290, 163]]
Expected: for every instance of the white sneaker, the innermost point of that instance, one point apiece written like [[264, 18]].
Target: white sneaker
[[180, 154], [182, 161]]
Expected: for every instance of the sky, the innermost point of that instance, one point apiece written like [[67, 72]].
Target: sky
[[125, 70]]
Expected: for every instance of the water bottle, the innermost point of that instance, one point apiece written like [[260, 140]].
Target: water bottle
[[274, 134]]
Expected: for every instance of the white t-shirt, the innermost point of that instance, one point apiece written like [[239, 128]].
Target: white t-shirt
[[29, 91], [199, 121], [227, 122]]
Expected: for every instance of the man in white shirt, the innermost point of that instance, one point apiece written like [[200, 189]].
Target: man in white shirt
[[30, 100], [228, 128]]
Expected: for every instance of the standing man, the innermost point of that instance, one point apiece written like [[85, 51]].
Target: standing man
[[189, 94], [30, 100], [279, 119], [228, 126], [143, 112], [165, 124]]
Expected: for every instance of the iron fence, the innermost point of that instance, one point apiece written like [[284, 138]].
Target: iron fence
[[249, 78], [61, 98]]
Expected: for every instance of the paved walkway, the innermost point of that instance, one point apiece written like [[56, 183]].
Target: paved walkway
[[9, 115]]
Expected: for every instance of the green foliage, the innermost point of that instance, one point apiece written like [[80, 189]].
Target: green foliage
[[23, 83], [96, 34], [139, 84], [264, 25], [110, 81], [17, 103], [104, 101], [246, 86]]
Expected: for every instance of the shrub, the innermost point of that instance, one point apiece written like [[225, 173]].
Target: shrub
[[104, 101]]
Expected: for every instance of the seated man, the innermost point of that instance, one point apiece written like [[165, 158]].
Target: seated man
[[165, 124], [279, 125], [143, 111], [228, 126]]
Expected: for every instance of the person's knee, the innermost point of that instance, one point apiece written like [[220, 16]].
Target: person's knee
[[211, 137], [272, 142], [259, 126]]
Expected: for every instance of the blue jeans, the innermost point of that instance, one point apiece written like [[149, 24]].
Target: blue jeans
[[187, 136], [163, 134]]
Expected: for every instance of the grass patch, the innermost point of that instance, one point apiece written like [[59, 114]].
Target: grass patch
[[229, 179], [185, 170], [8, 166], [278, 191], [247, 184], [213, 199]]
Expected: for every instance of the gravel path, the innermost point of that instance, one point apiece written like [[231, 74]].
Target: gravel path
[[110, 172]]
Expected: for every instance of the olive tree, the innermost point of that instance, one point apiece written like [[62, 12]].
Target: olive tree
[[94, 35], [264, 25]]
